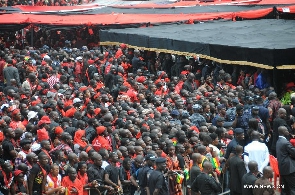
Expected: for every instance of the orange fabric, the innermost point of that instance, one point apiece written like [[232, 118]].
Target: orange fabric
[[17, 124], [68, 103], [66, 182], [101, 142], [78, 138], [70, 112], [84, 181]]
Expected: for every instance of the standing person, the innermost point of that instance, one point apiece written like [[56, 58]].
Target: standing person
[[286, 155], [194, 171], [143, 174], [256, 151], [236, 170], [19, 185], [125, 175], [6, 177], [53, 181], [174, 164], [264, 181], [72, 184], [278, 122], [38, 174], [96, 173], [10, 72], [136, 61], [189, 84], [238, 139], [157, 183], [205, 183], [9, 152], [249, 178], [112, 172]]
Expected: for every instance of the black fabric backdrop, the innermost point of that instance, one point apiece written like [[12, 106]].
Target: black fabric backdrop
[[268, 42]]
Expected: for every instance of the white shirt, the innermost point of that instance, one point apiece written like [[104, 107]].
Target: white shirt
[[258, 152]]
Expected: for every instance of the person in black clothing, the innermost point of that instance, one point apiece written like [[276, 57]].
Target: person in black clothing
[[38, 174], [136, 61], [90, 129], [112, 172], [157, 184], [96, 173], [279, 121], [206, 183], [6, 177], [249, 178], [286, 155], [125, 175], [9, 152], [237, 170], [143, 174], [194, 171]]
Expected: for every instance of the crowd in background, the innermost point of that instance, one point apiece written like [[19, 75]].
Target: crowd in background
[[5, 3], [79, 120]]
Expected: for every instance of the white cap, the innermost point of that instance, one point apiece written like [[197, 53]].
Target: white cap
[[77, 100], [32, 114]]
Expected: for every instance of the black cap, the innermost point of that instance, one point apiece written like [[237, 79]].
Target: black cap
[[160, 160], [150, 157], [239, 107], [239, 130], [221, 106], [255, 108], [220, 119], [24, 142]]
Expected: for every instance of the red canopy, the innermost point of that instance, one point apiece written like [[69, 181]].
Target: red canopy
[[110, 19]]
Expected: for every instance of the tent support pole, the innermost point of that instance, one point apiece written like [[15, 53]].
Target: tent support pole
[[275, 78], [32, 36]]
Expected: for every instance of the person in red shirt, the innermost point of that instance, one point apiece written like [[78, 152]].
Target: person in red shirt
[[83, 177], [101, 141], [72, 184]]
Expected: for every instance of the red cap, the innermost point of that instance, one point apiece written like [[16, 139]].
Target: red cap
[[42, 135], [58, 130], [15, 111], [90, 61], [100, 129], [140, 79], [44, 120]]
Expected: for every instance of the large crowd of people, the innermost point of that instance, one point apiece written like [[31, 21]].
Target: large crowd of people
[[118, 120], [5, 3]]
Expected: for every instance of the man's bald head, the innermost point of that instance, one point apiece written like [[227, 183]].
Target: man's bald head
[[255, 135], [239, 149], [253, 166], [283, 131], [72, 156], [207, 167], [195, 156], [267, 172], [282, 113], [83, 155]]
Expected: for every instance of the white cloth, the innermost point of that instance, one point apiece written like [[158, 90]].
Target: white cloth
[[258, 152], [215, 149], [104, 164], [50, 183]]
